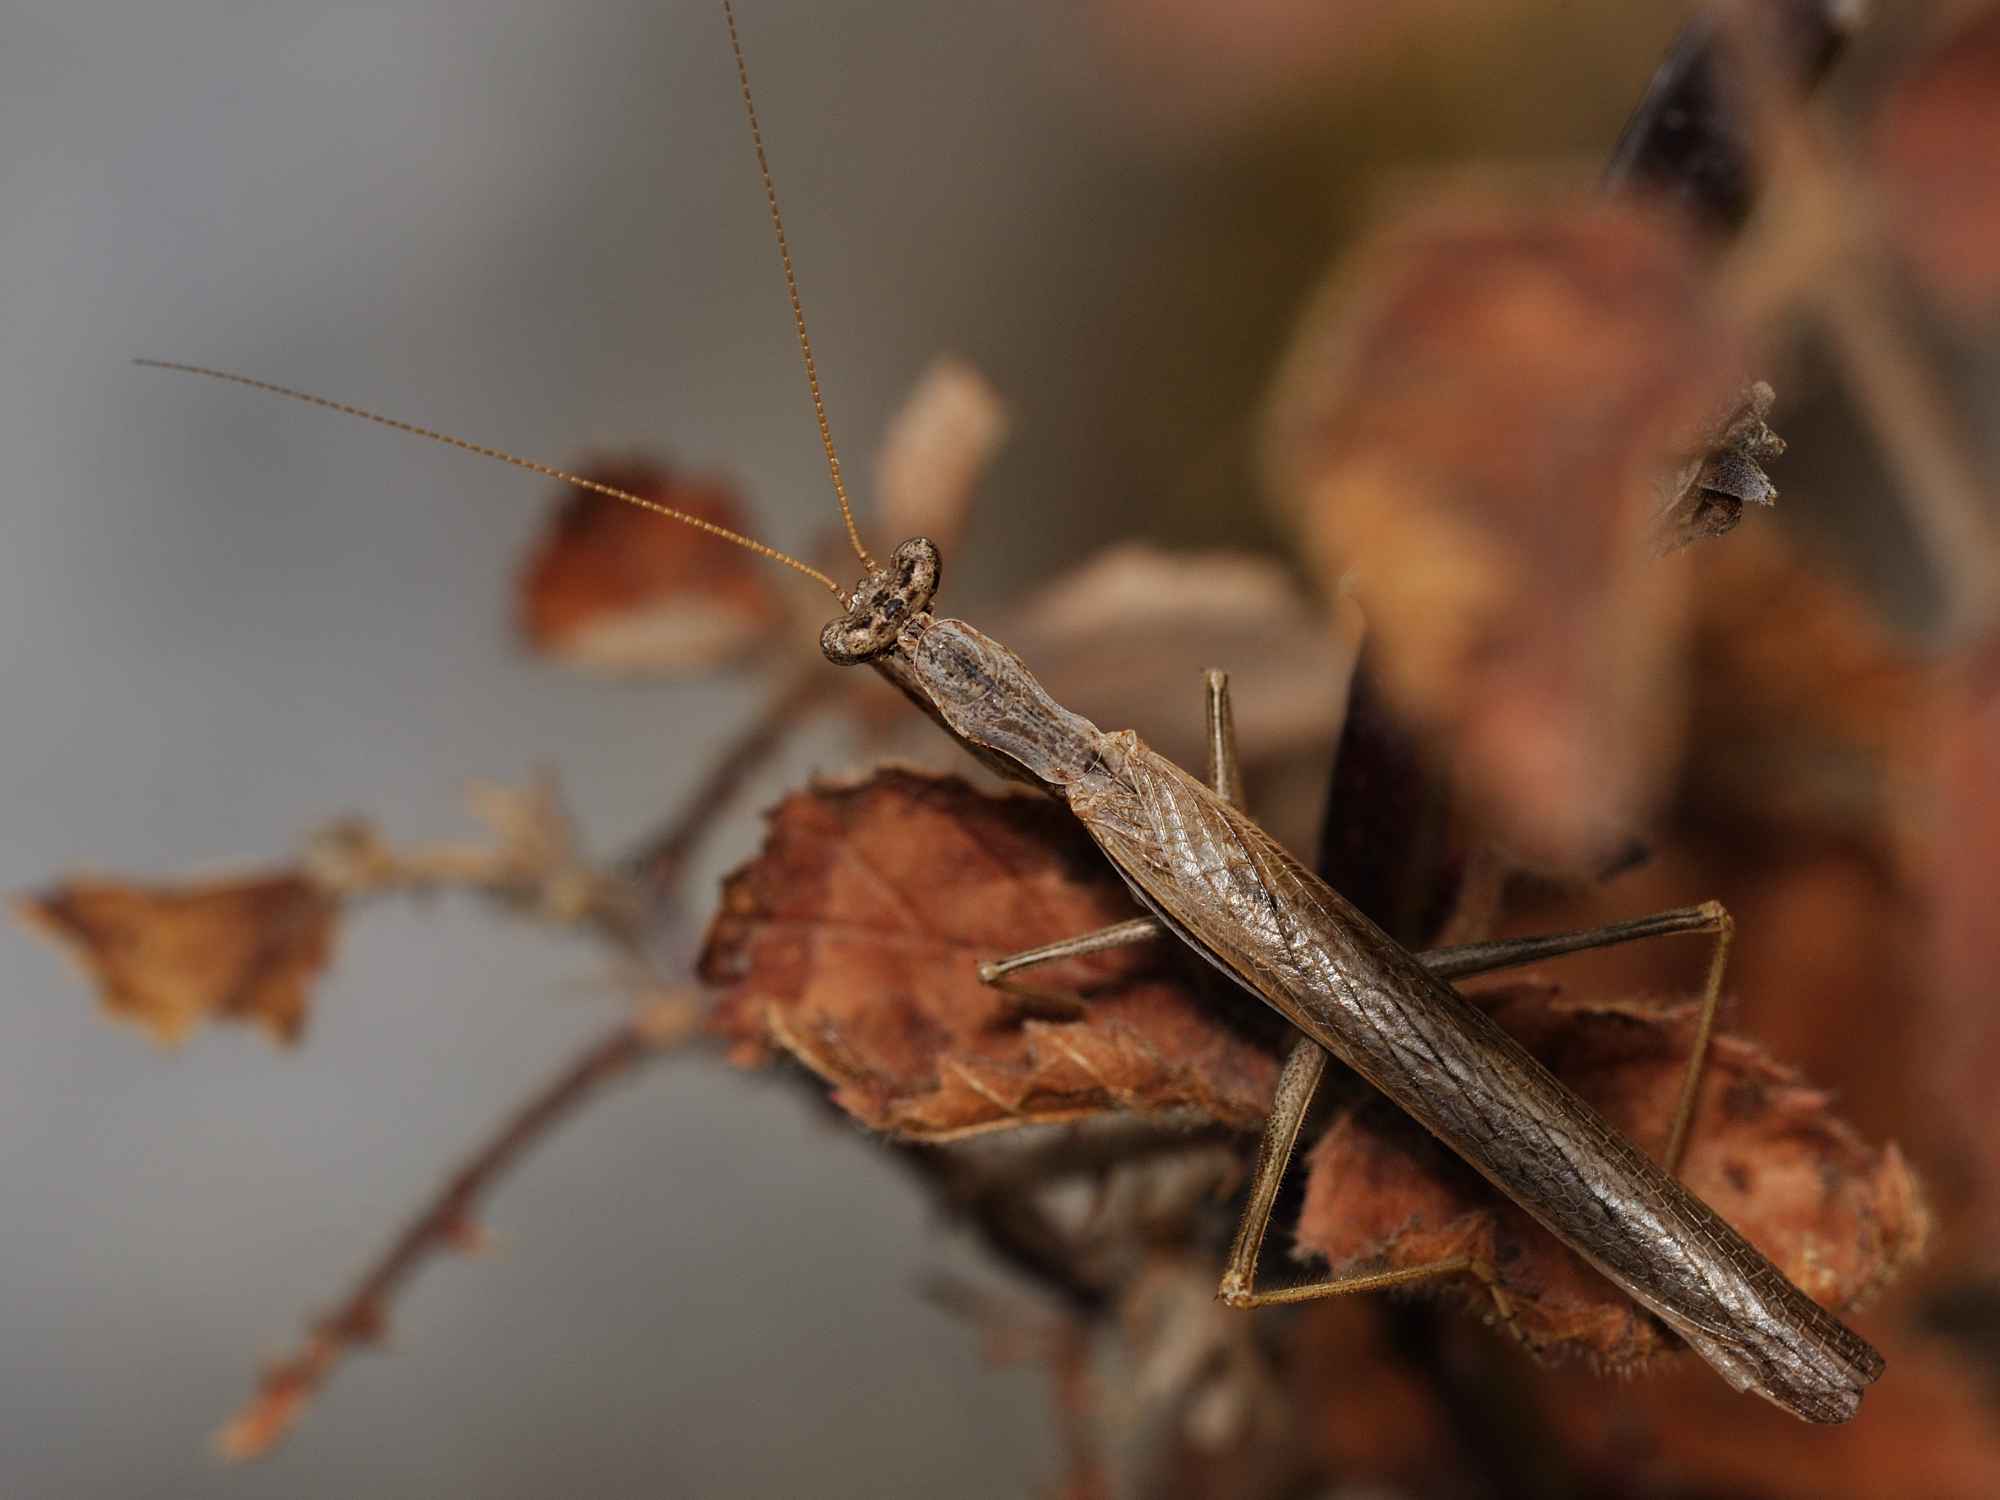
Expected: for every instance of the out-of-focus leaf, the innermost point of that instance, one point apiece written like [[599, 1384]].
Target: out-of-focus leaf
[[1963, 1044], [1370, 1410], [1133, 628], [1477, 426], [1935, 158], [852, 942], [167, 957], [1808, 805], [1838, 1217], [936, 448], [1808, 711], [610, 587], [1124, 639], [1927, 1428]]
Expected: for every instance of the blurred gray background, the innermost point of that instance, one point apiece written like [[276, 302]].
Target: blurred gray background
[[227, 619]]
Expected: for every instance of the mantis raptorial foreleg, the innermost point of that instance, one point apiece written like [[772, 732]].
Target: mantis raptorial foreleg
[[1224, 775], [1305, 1064], [1117, 935]]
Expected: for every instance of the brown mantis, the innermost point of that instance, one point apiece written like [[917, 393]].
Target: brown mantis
[[1209, 876]]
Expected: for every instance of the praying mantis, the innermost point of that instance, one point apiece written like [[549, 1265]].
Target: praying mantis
[[1208, 876]]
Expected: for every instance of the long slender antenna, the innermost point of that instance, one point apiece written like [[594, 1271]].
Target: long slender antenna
[[545, 470], [792, 291]]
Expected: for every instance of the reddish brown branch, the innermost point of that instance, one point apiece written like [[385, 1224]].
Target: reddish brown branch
[[445, 1223]]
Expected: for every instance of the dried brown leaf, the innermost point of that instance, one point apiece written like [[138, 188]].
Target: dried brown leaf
[[1838, 1217], [1477, 428], [852, 942], [1935, 158], [168, 956], [610, 587]]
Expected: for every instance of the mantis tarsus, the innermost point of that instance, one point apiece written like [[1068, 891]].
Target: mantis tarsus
[[1212, 878]]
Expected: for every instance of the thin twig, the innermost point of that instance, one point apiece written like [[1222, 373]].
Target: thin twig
[[657, 863], [1904, 404], [533, 863], [444, 1223]]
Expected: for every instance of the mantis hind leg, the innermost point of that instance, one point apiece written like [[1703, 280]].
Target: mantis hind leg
[[1708, 917], [1306, 1065]]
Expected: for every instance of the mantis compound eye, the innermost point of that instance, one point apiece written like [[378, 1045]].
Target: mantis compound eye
[[884, 603]]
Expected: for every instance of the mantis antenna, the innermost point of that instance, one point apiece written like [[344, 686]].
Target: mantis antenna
[[792, 291], [547, 471]]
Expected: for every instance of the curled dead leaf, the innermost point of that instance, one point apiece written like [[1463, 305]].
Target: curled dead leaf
[[168, 956], [1479, 425], [1935, 160], [852, 942], [610, 587], [1838, 1217]]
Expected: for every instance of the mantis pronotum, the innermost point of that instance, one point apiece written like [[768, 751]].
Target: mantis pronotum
[[1212, 878]]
